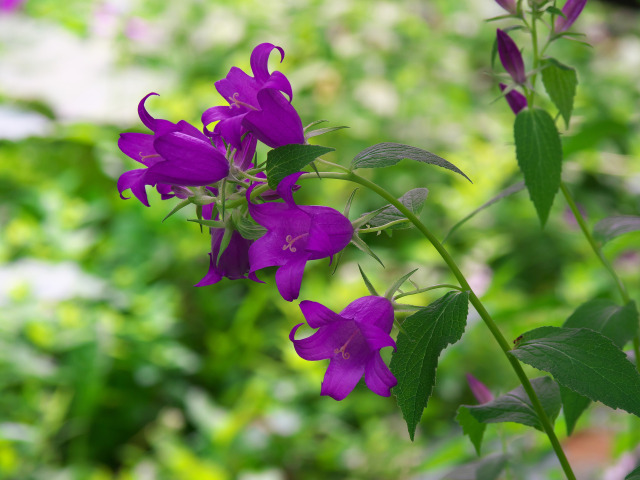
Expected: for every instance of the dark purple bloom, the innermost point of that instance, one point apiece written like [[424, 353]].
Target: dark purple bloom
[[571, 10], [511, 58], [295, 235], [351, 340], [175, 154], [8, 6], [257, 105], [509, 5], [479, 390], [515, 99], [234, 261]]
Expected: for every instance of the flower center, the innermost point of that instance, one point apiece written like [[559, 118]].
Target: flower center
[[235, 102], [291, 240], [342, 349]]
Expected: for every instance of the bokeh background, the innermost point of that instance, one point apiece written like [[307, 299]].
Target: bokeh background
[[113, 366]]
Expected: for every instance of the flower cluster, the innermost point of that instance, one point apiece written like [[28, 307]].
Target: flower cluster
[[213, 169]]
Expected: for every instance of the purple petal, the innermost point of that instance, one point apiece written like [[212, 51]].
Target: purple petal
[[213, 275], [378, 377], [276, 123], [511, 58], [341, 378], [146, 119], [188, 129], [515, 99], [244, 156], [239, 85], [317, 315], [371, 310], [375, 337], [135, 180], [571, 10], [278, 81], [319, 346], [260, 60], [190, 161], [509, 5], [479, 390], [285, 188], [137, 146], [232, 130], [330, 231], [289, 278]]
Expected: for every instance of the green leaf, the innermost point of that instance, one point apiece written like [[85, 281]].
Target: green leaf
[[250, 229], [471, 427], [555, 11], [413, 200], [613, 321], [560, 82], [573, 405], [584, 361], [207, 223], [362, 245], [504, 193], [609, 228], [620, 324], [397, 284], [426, 333], [388, 154], [634, 475], [539, 154], [178, 207], [488, 468], [515, 406], [322, 131], [368, 283], [292, 158]]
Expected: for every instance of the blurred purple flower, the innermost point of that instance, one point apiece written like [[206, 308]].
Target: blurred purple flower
[[8, 6], [257, 105], [571, 10], [515, 99], [175, 154], [351, 340], [479, 390], [511, 58], [295, 235], [509, 5]]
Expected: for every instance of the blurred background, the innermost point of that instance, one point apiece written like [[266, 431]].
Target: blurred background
[[113, 366]]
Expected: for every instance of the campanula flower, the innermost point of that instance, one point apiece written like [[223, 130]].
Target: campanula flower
[[511, 58], [571, 10], [509, 5], [295, 235], [351, 340], [175, 154], [234, 261], [257, 105], [479, 390], [515, 99]]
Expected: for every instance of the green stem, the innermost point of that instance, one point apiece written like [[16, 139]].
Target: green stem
[[607, 265], [534, 41], [475, 301]]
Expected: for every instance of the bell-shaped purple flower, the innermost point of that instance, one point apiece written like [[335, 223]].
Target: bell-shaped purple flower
[[509, 5], [479, 390], [272, 119], [295, 235], [571, 10], [351, 340], [511, 58], [515, 99], [175, 154], [234, 261]]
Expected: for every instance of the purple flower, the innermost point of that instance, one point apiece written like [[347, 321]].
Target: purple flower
[[351, 340], [234, 261], [175, 154], [509, 5], [479, 390], [257, 105], [295, 235], [571, 10], [515, 99], [8, 6], [511, 58]]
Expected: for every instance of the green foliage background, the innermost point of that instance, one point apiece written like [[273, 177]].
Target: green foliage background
[[113, 366]]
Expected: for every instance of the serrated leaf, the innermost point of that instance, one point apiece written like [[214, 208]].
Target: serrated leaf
[[633, 475], [584, 361], [488, 468], [413, 200], [471, 427], [609, 228], [388, 154], [250, 229], [539, 154], [560, 82], [426, 333], [292, 158], [322, 131], [515, 406], [504, 193], [613, 321]]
